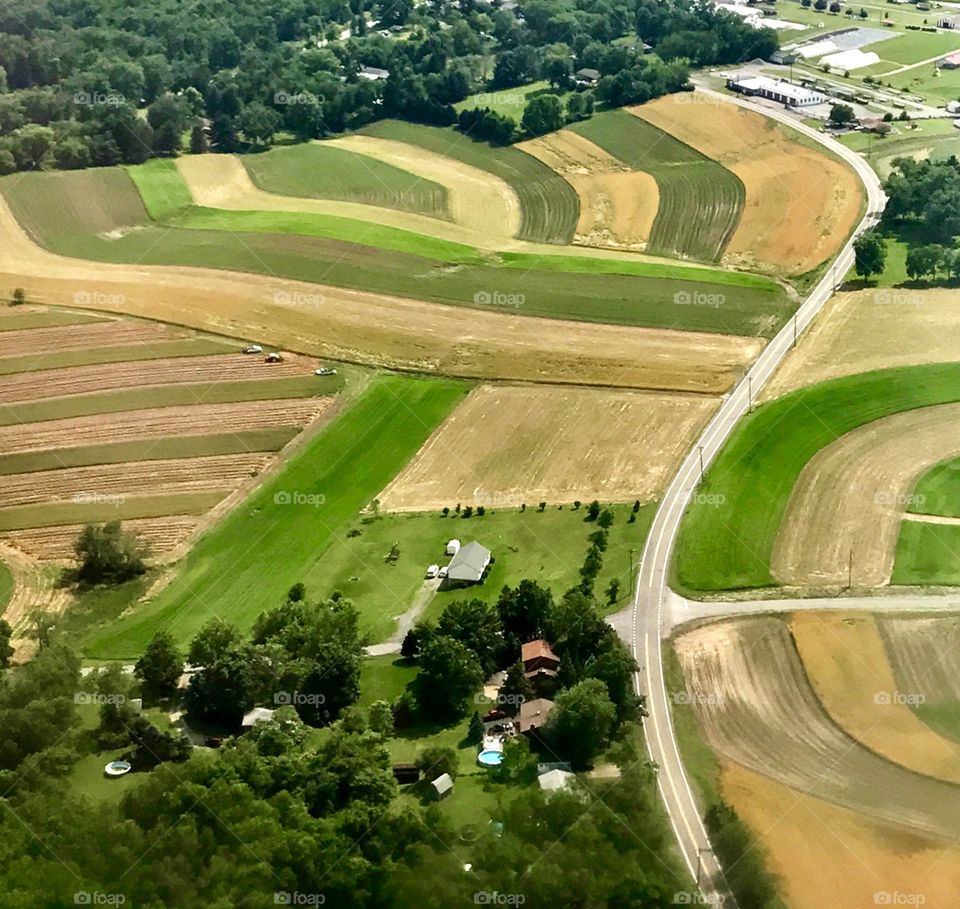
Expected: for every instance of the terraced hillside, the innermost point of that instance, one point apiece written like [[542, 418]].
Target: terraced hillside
[[700, 200], [104, 428]]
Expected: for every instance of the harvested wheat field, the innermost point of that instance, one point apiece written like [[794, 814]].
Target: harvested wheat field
[[478, 199], [801, 204], [107, 333], [872, 329], [160, 535], [925, 655], [843, 518], [820, 850], [379, 330], [514, 443], [617, 205], [160, 422], [222, 181], [78, 380], [755, 707], [131, 478], [846, 661]]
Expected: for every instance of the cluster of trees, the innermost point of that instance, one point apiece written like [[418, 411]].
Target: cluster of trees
[[76, 76], [107, 554]]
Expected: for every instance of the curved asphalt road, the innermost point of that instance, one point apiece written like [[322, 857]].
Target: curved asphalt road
[[647, 625]]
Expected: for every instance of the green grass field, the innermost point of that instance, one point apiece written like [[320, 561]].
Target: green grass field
[[912, 47], [246, 563], [320, 171], [143, 397], [927, 554], [546, 547], [6, 586], [728, 546], [938, 490], [548, 204], [700, 200], [251, 440], [509, 102], [582, 289], [18, 320]]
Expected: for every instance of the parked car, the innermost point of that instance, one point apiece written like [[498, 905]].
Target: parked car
[[253, 348], [442, 573], [274, 357], [432, 572], [325, 371]]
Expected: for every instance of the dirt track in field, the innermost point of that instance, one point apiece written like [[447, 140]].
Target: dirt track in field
[[22, 341], [755, 707], [221, 181], [78, 380], [873, 329], [159, 422], [617, 205], [131, 478], [800, 203], [846, 662], [852, 495], [379, 330], [825, 855], [557, 444], [161, 535], [479, 200]]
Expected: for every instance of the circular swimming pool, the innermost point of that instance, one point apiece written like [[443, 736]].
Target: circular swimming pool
[[490, 758]]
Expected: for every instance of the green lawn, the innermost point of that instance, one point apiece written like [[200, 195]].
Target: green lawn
[[149, 449], [383, 678], [700, 200], [728, 545], [927, 554], [509, 102], [912, 47], [582, 289], [148, 396], [547, 547], [322, 171], [6, 586], [938, 490], [18, 320], [548, 204], [246, 563]]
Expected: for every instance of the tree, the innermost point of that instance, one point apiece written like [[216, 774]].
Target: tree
[[214, 641], [108, 555], [835, 7], [475, 729], [593, 510], [259, 123], [476, 624], [168, 116], [19, 297], [870, 254], [381, 718], [449, 673], [525, 611], [924, 260], [605, 519], [820, 5], [6, 651], [437, 760], [199, 144], [863, 13], [558, 71], [515, 690], [543, 114], [580, 723], [842, 115], [297, 592], [160, 667], [613, 591]]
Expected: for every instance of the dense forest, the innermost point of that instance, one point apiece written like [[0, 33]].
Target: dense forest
[[100, 82]]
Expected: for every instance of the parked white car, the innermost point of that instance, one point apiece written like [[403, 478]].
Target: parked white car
[[432, 572], [325, 371], [253, 348]]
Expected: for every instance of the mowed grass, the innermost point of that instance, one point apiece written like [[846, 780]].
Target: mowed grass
[[7, 586], [16, 320], [320, 171], [700, 200], [547, 547], [246, 563], [548, 204], [727, 536], [581, 289], [149, 396], [938, 491], [912, 47], [927, 554], [251, 440]]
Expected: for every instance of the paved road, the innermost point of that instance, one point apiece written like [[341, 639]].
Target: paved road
[[649, 617]]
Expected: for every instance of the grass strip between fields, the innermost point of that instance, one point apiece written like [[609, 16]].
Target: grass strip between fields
[[727, 536], [45, 318], [163, 449], [246, 563], [7, 585]]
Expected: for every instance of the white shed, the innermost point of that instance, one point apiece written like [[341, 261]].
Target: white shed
[[453, 547], [442, 786]]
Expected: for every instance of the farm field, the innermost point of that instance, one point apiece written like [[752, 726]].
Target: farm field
[[800, 203], [913, 47], [937, 492], [756, 708], [381, 330], [617, 205], [587, 291], [730, 545], [547, 547], [322, 488], [321, 170], [928, 552], [848, 506], [872, 329], [926, 139], [133, 441], [700, 200], [565, 444], [548, 204], [845, 658]]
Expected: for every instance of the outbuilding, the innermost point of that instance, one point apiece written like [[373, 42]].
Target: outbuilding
[[469, 564], [442, 786], [257, 715]]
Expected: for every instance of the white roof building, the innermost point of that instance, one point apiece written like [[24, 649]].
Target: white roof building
[[469, 564], [554, 780], [850, 59], [453, 547], [779, 90], [257, 715], [816, 49], [442, 785]]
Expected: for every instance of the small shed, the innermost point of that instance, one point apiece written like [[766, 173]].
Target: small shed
[[587, 76], [442, 786], [453, 547], [257, 715], [374, 73], [406, 773], [554, 780]]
